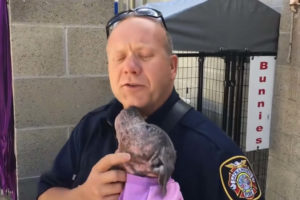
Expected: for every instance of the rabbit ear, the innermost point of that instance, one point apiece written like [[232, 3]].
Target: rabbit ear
[[160, 169], [165, 169], [163, 179]]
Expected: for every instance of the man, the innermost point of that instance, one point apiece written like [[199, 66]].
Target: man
[[142, 70]]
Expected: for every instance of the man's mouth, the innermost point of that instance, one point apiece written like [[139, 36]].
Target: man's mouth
[[131, 85]]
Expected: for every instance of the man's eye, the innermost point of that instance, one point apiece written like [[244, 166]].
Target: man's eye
[[145, 56], [120, 58]]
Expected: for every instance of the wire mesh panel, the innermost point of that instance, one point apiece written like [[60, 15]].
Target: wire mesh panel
[[187, 80], [213, 88], [217, 85]]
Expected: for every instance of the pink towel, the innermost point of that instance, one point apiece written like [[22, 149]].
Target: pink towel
[[145, 188]]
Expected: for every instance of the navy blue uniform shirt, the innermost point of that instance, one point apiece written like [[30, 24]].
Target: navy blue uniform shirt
[[200, 145]]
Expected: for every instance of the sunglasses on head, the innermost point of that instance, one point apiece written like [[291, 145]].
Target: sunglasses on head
[[140, 12]]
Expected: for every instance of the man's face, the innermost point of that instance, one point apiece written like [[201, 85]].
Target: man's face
[[141, 72]]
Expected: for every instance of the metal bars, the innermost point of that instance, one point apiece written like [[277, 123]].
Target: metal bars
[[217, 85], [200, 82]]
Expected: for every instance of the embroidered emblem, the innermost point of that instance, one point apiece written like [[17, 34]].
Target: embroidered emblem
[[238, 179]]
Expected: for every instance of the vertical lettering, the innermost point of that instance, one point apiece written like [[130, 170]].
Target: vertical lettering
[[258, 140], [262, 79], [261, 91], [260, 104], [259, 128], [259, 115], [263, 65]]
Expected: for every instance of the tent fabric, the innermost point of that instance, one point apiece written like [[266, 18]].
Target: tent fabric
[[214, 25], [7, 157]]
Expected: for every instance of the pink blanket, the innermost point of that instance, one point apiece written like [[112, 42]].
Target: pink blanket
[[145, 188]]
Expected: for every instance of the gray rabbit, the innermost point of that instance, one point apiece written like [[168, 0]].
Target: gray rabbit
[[152, 151]]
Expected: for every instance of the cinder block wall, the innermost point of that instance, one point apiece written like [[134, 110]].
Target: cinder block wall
[[284, 157], [59, 74]]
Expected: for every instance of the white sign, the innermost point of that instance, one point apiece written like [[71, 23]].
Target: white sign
[[261, 82]]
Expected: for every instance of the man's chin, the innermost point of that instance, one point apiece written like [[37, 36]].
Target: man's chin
[[139, 105]]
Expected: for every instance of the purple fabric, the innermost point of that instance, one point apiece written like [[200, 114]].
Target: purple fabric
[[145, 188], [7, 157]]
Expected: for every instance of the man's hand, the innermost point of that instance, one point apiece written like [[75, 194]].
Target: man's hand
[[103, 181]]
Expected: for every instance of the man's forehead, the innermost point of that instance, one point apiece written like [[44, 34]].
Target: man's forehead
[[137, 47], [136, 23], [137, 19]]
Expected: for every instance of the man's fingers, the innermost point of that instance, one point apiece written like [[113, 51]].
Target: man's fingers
[[113, 176], [112, 197], [112, 189], [110, 160]]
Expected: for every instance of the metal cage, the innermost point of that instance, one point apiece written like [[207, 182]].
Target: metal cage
[[217, 85]]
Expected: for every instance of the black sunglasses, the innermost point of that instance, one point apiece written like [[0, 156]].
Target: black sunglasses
[[142, 12]]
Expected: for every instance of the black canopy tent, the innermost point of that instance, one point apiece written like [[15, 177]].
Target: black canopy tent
[[212, 25]]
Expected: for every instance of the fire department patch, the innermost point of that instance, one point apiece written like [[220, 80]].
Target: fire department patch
[[238, 180]]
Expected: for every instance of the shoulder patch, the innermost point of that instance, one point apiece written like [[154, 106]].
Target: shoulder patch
[[238, 179]]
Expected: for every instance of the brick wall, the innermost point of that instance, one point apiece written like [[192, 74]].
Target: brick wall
[[59, 72]]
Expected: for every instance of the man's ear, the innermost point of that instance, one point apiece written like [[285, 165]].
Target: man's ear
[[173, 65]]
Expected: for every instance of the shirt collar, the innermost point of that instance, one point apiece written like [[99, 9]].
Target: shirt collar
[[113, 111], [155, 118], [160, 114]]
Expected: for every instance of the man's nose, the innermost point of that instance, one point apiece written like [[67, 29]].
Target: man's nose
[[132, 65]]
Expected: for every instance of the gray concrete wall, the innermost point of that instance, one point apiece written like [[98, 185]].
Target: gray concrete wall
[[284, 157], [59, 74], [283, 172]]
